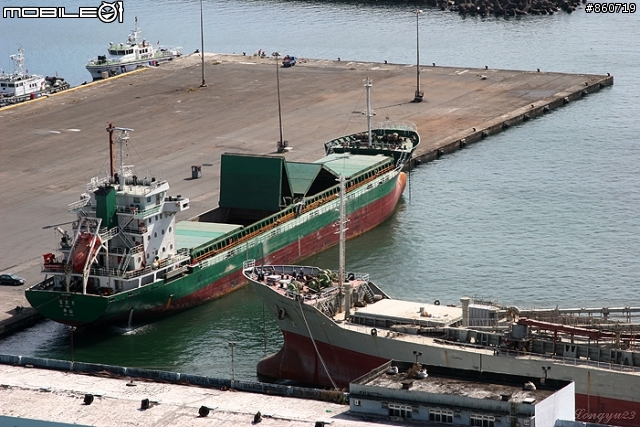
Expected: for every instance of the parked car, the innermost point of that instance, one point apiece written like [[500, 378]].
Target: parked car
[[11, 280], [289, 61]]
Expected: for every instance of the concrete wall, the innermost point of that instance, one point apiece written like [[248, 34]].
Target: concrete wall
[[176, 377], [561, 405]]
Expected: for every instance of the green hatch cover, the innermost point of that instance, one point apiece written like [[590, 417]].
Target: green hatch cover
[[253, 182]]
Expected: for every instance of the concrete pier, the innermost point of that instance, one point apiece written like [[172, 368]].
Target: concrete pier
[[51, 147]]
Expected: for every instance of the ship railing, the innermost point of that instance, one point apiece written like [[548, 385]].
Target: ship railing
[[401, 124], [108, 234], [483, 322], [53, 267], [117, 250], [84, 201], [569, 361], [181, 257], [97, 182], [47, 284], [601, 365], [138, 214], [162, 264]]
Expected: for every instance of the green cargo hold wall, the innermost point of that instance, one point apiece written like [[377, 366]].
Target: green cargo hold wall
[[253, 182]]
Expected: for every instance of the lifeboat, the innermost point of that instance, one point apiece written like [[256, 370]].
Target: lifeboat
[[86, 247]]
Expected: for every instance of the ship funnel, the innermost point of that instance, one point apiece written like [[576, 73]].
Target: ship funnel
[[465, 310]]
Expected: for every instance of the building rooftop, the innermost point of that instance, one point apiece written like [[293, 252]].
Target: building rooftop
[[490, 386], [398, 311]]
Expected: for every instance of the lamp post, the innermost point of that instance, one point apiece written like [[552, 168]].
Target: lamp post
[[546, 372], [281, 143], [202, 47], [232, 345], [419, 93], [417, 354]]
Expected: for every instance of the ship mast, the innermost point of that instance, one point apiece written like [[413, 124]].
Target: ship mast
[[122, 138], [367, 84], [112, 172], [346, 287], [342, 230], [18, 62]]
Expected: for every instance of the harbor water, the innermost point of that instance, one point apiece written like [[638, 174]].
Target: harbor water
[[543, 214]]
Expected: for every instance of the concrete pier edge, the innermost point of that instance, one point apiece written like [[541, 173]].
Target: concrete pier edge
[[462, 139], [133, 373]]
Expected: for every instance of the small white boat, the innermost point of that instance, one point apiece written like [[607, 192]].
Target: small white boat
[[20, 86], [128, 56]]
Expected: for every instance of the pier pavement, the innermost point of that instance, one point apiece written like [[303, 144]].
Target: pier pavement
[[51, 147]]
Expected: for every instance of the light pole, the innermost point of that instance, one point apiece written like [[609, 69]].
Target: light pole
[[202, 40], [232, 345], [417, 354], [281, 144], [546, 372], [419, 93]]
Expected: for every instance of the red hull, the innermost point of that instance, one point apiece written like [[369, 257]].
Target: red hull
[[602, 410], [297, 360]]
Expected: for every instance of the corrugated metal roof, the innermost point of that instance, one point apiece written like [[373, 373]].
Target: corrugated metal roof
[[302, 175], [350, 164], [191, 234]]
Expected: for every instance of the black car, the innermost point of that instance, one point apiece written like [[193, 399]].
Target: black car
[[11, 280]]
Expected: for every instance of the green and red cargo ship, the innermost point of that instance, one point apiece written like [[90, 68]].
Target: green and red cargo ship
[[127, 258]]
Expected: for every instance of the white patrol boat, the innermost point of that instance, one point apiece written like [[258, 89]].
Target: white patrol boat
[[20, 86], [128, 56]]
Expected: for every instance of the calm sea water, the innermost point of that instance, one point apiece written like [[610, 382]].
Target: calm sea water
[[545, 213]]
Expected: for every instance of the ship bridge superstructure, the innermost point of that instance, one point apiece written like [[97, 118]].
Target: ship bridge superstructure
[[124, 234]]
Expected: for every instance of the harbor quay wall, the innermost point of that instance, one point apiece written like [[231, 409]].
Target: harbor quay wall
[[17, 319], [174, 378], [523, 114]]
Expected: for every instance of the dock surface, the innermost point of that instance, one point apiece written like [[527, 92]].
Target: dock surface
[[52, 147]]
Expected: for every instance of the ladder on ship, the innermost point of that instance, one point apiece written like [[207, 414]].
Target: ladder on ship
[[368, 292]]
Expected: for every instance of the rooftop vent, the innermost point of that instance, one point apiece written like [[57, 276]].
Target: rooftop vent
[[407, 384]]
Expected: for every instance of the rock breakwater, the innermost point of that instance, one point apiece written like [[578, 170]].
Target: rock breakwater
[[506, 7]]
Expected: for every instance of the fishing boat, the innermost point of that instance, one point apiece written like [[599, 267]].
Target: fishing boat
[[20, 86], [129, 56], [338, 326], [127, 259]]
